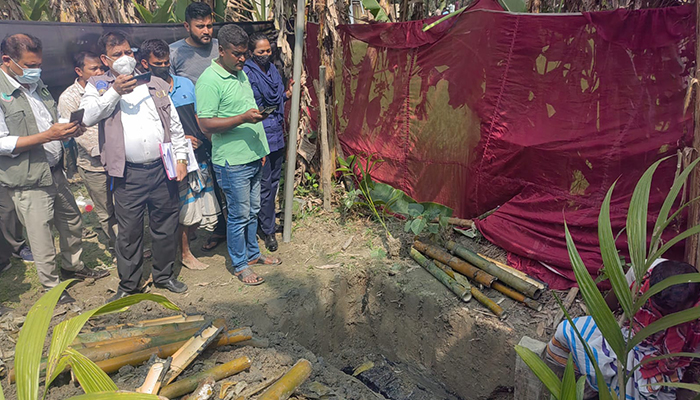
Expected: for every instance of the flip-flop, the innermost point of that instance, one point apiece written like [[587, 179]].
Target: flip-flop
[[213, 242], [246, 273], [264, 260]]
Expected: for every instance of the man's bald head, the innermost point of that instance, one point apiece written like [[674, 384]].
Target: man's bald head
[[15, 45]]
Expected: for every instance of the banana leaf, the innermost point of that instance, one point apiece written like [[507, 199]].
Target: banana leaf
[[146, 15], [64, 333], [30, 343], [179, 10], [37, 10], [611, 260], [162, 15], [541, 370], [377, 11]]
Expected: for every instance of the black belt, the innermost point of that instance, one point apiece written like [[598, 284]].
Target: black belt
[[147, 165]]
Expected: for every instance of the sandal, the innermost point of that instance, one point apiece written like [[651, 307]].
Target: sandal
[[264, 260], [213, 242], [246, 273]]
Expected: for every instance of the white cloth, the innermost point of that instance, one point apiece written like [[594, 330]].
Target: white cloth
[[143, 131], [43, 119]]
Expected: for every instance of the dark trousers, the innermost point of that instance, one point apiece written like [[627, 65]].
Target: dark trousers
[[268, 191], [10, 227], [5, 248], [145, 186]]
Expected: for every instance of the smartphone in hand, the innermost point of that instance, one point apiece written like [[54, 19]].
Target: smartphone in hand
[[143, 78], [77, 116], [268, 110]]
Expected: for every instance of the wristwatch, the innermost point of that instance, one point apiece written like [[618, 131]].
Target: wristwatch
[[184, 161]]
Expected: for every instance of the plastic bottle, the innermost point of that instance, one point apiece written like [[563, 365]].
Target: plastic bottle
[[85, 205]]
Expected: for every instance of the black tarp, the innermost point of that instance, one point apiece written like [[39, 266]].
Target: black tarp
[[62, 39]]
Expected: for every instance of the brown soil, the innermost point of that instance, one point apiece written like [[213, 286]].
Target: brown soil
[[338, 308]]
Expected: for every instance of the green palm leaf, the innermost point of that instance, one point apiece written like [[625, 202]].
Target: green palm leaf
[[663, 220], [611, 260], [2, 395], [541, 370], [92, 379], [681, 385], [568, 383], [637, 222], [682, 236], [599, 310], [30, 343], [580, 387]]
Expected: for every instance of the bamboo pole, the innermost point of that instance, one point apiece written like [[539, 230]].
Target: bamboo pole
[[151, 322], [474, 273], [137, 331], [294, 122], [190, 350], [325, 149], [464, 223], [187, 385], [461, 291], [287, 384], [511, 280], [481, 297], [534, 282], [692, 243]]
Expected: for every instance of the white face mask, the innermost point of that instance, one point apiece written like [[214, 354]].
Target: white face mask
[[124, 65]]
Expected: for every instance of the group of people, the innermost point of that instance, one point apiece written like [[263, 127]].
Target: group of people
[[217, 103]]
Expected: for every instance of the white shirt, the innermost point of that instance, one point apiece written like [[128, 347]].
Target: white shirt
[[43, 119], [143, 130]]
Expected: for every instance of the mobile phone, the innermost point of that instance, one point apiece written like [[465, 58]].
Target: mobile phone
[[268, 110], [143, 78], [77, 116]]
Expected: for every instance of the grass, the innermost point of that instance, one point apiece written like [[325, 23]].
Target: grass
[[20, 280]]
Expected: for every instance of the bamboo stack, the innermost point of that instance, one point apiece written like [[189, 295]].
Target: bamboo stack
[[446, 267]]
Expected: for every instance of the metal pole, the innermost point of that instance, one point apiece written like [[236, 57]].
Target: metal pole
[[294, 125]]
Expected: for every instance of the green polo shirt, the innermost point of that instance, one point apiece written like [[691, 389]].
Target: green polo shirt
[[221, 94]]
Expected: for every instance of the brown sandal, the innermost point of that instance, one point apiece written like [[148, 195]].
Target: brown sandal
[[246, 273], [264, 260]]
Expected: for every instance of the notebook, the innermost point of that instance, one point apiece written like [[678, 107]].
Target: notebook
[[170, 159]]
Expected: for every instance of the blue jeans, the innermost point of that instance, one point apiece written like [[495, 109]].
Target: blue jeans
[[241, 185]]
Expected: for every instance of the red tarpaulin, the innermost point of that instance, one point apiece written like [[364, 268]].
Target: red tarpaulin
[[537, 114]]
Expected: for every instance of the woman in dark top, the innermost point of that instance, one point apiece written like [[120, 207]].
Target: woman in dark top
[[269, 91]]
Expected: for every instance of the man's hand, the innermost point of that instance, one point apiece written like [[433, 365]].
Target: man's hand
[[289, 89], [81, 129], [62, 131], [124, 84], [195, 142], [252, 116], [181, 170], [264, 160]]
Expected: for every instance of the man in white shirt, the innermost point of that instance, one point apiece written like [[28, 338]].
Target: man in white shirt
[[135, 118], [31, 165]]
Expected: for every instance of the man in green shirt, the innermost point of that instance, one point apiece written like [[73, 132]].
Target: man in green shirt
[[228, 114]]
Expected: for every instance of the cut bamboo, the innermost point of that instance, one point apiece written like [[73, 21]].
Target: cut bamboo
[[464, 223], [155, 376], [138, 331], [190, 350], [474, 273], [189, 384], [205, 390], [110, 365], [481, 297], [527, 278], [324, 143], [287, 384], [151, 322], [455, 263], [464, 293], [511, 280]]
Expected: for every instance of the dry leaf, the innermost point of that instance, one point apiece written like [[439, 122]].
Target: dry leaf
[[362, 368]]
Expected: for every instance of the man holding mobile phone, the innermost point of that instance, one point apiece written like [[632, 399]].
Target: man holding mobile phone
[[133, 121], [31, 165]]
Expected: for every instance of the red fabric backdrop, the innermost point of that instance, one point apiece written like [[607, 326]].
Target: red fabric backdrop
[[537, 114]]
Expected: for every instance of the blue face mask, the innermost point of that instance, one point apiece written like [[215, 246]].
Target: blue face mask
[[29, 75]]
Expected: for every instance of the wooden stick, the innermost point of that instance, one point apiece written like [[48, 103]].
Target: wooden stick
[[325, 150], [567, 303], [691, 243]]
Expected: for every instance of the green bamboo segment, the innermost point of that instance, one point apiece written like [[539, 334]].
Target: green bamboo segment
[[462, 292], [479, 296], [287, 384], [455, 263], [137, 331], [511, 280]]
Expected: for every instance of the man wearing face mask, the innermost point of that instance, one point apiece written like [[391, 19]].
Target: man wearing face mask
[[90, 167], [31, 164], [198, 205], [134, 119]]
